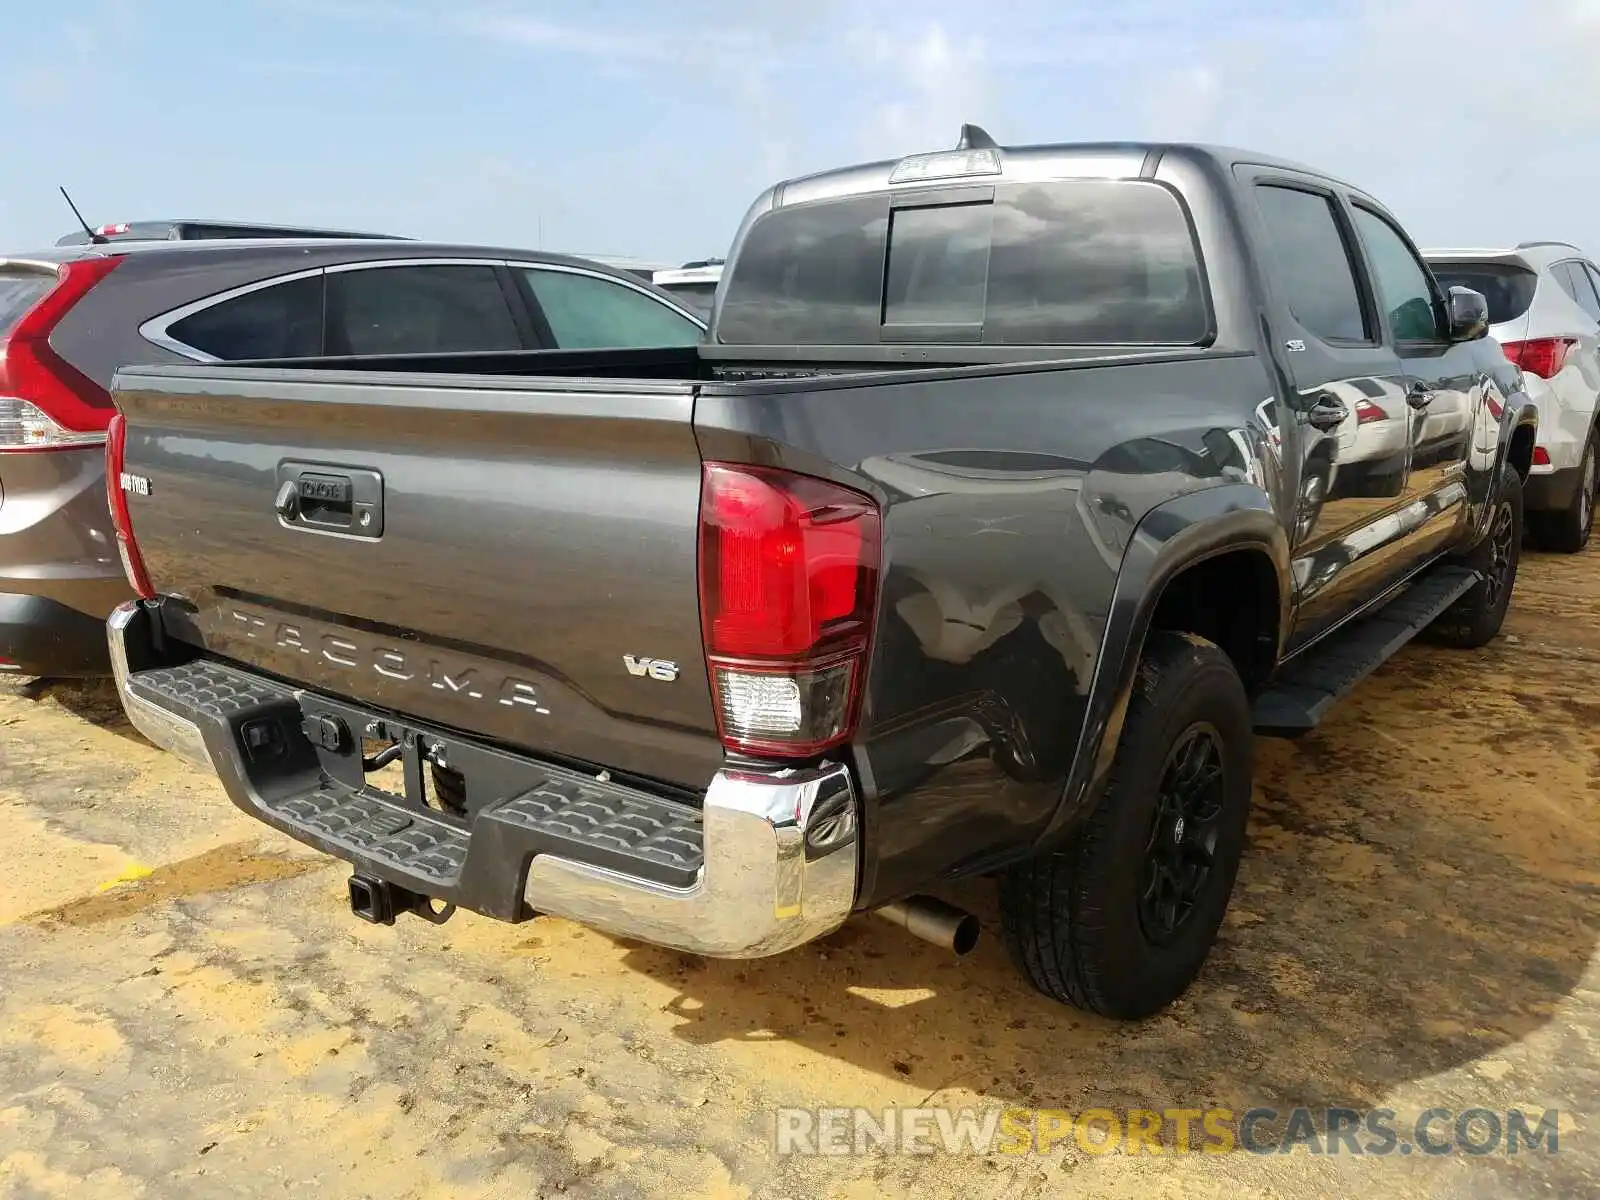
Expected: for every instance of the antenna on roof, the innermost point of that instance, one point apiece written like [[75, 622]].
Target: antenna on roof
[[97, 239], [976, 137]]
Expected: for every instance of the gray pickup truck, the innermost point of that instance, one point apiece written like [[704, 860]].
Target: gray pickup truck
[[1012, 494]]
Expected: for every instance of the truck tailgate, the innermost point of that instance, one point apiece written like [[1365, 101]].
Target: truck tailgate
[[521, 544]]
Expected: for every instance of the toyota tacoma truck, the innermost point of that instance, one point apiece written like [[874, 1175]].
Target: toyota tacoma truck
[[1013, 493]]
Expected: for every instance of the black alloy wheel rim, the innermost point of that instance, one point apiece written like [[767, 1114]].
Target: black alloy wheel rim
[[1499, 554], [1180, 850]]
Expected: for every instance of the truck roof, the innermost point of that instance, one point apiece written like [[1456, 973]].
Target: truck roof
[[1107, 159]]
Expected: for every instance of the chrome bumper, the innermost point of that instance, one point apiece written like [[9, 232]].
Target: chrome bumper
[[163, 729], [780, 848]]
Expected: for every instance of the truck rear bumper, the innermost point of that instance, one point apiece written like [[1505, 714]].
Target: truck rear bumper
[[766, 863]]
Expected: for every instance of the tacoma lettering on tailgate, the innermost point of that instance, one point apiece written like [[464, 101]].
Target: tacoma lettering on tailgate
[[441, 671]]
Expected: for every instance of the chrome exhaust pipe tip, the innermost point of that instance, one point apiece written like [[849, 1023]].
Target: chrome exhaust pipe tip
[[945, 925]]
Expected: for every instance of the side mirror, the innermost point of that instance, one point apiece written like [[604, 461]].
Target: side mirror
[[1466, 315]]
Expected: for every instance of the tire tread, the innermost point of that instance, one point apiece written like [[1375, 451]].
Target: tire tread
[[1051, 915]]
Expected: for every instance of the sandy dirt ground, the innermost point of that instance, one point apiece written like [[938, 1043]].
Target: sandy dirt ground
[[188, 1009]]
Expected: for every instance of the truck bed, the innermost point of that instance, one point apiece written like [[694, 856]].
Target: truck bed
[[539, 546]]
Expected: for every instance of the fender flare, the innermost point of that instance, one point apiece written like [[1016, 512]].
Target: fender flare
[[1169, 538], [1525, 415]]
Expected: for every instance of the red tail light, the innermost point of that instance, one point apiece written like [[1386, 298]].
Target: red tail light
[[1541, 457], [1367, 412], [1543, 357], [117, 498], [788, 591], [45, 402]]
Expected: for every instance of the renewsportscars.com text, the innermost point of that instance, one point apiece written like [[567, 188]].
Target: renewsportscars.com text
[[1376, 1131]]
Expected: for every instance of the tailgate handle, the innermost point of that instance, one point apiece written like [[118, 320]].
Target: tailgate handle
[[321, 498]]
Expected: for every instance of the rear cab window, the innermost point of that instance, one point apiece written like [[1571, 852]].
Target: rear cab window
[[1507, 287], [1079, 262]]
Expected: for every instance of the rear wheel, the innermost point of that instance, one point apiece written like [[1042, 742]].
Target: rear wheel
[[1568, 531], [1120, 920], [1475, 619]]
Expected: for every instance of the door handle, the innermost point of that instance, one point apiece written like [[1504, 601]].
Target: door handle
[[1327, 412], [319, 498], [1419, 395]]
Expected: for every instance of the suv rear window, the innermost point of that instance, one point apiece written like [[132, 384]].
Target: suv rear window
[[18, 294], [1085, 262], [1508, 289]]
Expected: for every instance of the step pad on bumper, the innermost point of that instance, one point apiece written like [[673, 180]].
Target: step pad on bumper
[[522, 807], [210, 689], [385, 829]]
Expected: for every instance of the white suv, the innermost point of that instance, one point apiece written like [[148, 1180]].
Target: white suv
[[1544, 309]]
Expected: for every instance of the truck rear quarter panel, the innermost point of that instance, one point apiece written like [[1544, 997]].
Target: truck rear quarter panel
[[1011, 499]]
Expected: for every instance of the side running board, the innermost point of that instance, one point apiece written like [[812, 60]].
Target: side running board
[[1310, 683]]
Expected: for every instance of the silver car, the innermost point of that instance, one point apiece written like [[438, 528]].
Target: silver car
[[71, 315], [1544, 305], [693, 283]]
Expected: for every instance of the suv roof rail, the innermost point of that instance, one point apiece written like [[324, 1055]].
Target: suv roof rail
[[1545, 242], [186, 229]]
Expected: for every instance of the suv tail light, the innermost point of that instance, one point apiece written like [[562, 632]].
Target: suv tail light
[[117, 498], [788, 591], [1367, 412], [1543, 357], [45, 402]]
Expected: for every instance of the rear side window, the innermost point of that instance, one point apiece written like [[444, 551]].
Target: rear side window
[[1082, 262], [281, 321], [585, 313], [1308, 263], [1576, 284], [419, 310], [1508, 289], [18, 294]]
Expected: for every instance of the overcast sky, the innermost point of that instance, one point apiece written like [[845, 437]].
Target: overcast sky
[[645, 128]]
